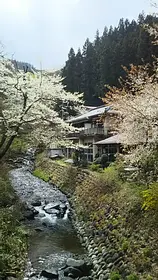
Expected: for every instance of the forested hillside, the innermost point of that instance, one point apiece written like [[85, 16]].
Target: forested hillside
[[20, 65], [100, 62]]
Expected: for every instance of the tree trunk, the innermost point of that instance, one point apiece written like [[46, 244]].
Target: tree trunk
[[3, 139], [10, 141]]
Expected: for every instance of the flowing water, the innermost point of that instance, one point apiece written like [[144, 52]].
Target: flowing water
[[53, 239]]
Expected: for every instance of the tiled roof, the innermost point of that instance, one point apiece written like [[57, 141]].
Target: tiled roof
[[92, 113], [110, 140]]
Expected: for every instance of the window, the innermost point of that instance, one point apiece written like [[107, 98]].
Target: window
[[89, 151], [90, 157], [110, 150]]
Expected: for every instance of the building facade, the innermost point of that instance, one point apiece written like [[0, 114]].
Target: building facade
[[92, 131]]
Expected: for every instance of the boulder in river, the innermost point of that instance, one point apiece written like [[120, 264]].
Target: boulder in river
[[63, 207], [73, 272], [83, 266], [36, 202], [57, 209], [41, 215], [38, 229], [55, 205], [75, 263], [30, 212], [29, 215], [52, 211], [49, 274]]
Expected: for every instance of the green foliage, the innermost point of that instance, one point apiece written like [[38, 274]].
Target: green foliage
[[125, 245], [41, 174], [148, 168], [149, 277], [151, 197], [107, 204], [19, 145], [115, 276], [95, 167], [7, 194], [132, 277], [13, 243], [111, 177], [147, 252], [69, 180]]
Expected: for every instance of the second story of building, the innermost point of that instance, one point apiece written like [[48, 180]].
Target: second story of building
[[91, 123]]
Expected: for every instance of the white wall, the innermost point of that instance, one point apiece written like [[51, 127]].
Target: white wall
[[87, 125]]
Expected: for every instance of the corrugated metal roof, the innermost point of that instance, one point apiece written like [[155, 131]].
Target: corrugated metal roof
[[110, 140], [91, 113]]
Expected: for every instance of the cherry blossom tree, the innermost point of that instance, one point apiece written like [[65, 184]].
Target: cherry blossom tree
[[136, 104], [28, 105]]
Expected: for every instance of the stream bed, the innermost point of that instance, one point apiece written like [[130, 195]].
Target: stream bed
[[53, 239]]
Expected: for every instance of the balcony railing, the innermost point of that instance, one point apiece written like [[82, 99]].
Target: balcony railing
[[93, 131], [89, 132]]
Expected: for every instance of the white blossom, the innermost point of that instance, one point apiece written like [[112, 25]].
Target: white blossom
[[28, 104]]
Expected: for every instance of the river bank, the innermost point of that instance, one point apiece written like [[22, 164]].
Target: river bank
[[13, 235], [121, 238]]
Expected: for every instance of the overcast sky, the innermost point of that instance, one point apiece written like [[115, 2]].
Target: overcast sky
[[44, 30]]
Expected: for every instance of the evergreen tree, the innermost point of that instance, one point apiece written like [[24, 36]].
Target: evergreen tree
[[68, 71], [101, 61], [78, 74], [88, 72]]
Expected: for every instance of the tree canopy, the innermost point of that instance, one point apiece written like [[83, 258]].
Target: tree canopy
[[28, 105], [100, 62]]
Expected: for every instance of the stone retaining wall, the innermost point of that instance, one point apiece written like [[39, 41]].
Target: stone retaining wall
[[118, 241]]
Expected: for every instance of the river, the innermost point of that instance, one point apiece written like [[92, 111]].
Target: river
[[53, 239]]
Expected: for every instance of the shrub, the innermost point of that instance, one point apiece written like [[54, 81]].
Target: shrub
[[151, 197], [148, 168], [125, 245], [149, 277], [7, 193], [41, 174], [132, 277], [147, 252], [13, 245], [111, 177], [115, 276], [104, 161], [95, 167], [83, 161], [13, 242]]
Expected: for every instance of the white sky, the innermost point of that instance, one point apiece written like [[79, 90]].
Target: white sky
[[44, 30]]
